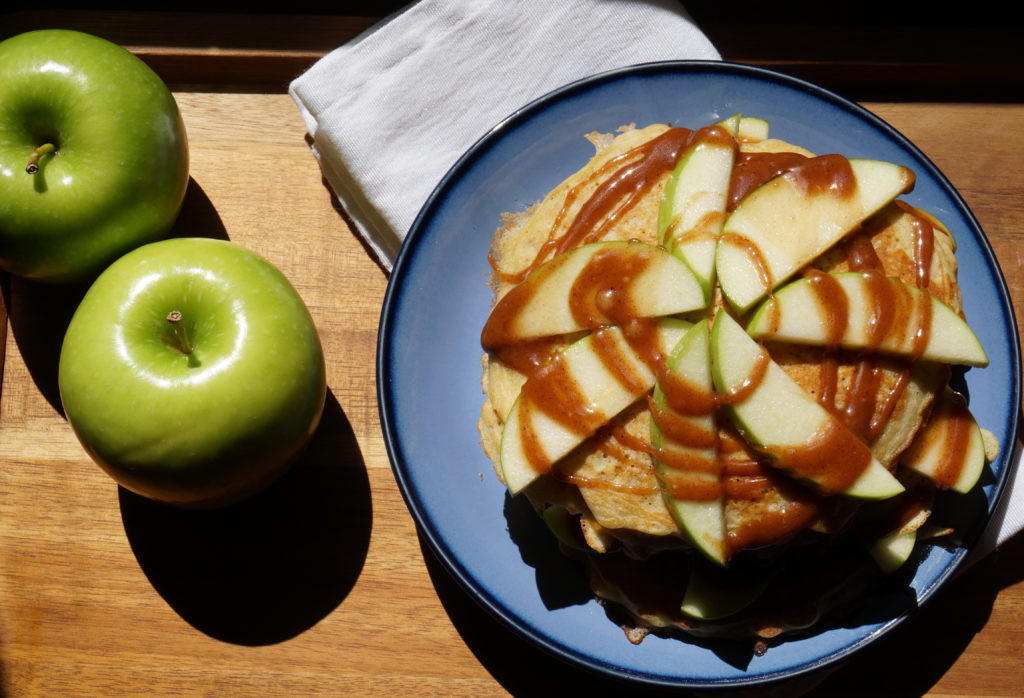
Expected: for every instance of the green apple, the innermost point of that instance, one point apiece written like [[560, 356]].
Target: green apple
[[592, 286], [565, 527], [892, 550], [731, 123], [891, 527], [192, 372], [694, 201], [804, 311], [583, 389], [751, 128], [949, 449], [93, 155], [787, 222], [688, 465], [781, 420], [713, 593]]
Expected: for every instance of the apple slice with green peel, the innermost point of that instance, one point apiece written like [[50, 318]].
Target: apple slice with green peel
[[891, 551], [846, 308], [752, 128], [781, 420], [712, 594], [906, 514], [731, 123], [791, 219], [571, 397], [949, 450], [685, 445], [604, 283], [889, 529], [564, 527], [693, 205]]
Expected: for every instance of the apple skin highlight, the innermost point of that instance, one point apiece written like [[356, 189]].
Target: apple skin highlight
[[211, 425], [116, 169]]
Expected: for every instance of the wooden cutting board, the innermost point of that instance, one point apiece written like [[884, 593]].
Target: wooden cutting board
[[322, 585]]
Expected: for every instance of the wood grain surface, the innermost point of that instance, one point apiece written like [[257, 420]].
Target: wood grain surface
[[321, 585]]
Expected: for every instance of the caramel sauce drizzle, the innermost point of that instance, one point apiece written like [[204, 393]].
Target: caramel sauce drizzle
[[892, 311], [591, 483], [754, 253], [956, 421], [822, 174], [924, 244], [751, 170], [599, 299], [612, 199]]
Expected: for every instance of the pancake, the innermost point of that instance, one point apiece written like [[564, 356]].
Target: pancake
[[609, 483]]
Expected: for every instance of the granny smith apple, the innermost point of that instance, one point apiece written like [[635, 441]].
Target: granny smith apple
[[192, 372], [93, 155]]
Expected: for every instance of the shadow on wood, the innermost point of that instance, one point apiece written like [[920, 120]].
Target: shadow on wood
[[915, 656], [910, 659], [269, 568], [40, 313]]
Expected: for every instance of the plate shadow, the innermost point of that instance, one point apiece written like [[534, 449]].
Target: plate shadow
[[917, 654], [912, 658]]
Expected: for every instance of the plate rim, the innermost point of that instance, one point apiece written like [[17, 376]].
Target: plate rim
[[450, 561]]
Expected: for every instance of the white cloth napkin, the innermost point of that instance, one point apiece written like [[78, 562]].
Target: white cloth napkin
[[391, 111], [1008, 518]]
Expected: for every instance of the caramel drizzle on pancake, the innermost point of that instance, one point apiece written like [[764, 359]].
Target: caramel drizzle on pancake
[[892, 311], [598, 300]]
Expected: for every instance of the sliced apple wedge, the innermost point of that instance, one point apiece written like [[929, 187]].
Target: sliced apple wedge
[[751, 128], [693, 205], [594, 285], [712, 594], [949, 450], [791, 219], [778, 418], [891, 551], [564, 527], [892, 525], [856, 310], [731, 123], [590, 382], [685, 445]]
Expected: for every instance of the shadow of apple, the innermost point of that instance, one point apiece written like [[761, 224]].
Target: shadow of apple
[[40, 313], [503, 653], [266, 569], [198, 216]]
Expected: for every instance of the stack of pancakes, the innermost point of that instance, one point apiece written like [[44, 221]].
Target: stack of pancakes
[[637, 556]]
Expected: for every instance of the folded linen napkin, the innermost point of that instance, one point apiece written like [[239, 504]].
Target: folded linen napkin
[[391, 111], [1008, 518]]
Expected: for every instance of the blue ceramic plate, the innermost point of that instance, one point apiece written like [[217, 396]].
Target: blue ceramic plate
[[429, 364]]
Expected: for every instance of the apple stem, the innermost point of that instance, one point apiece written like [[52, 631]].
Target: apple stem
[[33, 160], [181, 342]]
